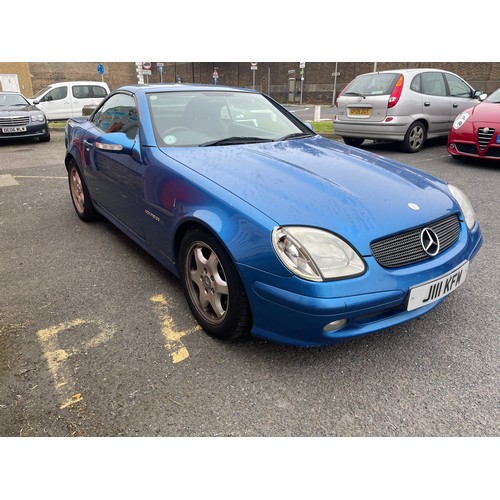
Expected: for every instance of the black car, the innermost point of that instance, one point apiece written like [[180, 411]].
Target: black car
[[19, 118]]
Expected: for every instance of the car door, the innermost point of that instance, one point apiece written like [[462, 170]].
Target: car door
[[115, 179], [461, 95], [56, 103], [81, 94], [436, 102]]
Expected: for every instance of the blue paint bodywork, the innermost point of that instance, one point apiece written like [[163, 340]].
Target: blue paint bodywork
[[242, 192]]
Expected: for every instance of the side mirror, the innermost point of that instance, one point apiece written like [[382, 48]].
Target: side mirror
[[478, 94], [483, 96], [115, 142]]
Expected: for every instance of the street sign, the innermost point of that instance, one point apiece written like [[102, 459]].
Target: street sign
[[100, 69], [253, 66], [146, 65], [146, 71], [302, 65]]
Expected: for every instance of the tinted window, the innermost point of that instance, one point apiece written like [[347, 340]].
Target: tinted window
[[56, 94], [99, 91], [81, 91], [416, 84], [458, 88], [433, 84], [118, 114], [373, 84], [494, 96]]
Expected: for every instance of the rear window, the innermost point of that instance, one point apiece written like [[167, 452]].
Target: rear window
[[373, 84]]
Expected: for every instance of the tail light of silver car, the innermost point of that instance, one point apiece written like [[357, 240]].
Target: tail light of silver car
[[396, 92]]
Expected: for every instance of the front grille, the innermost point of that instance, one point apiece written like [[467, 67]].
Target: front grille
[[14, 121], [484, 136], [405, 248], [469, 149]]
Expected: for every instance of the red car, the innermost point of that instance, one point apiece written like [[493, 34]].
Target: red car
[[476, 132]]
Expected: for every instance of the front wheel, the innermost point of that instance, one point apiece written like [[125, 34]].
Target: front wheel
[[213, 287], [414, 138]]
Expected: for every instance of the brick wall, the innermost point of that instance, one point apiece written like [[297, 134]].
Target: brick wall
[[270, 77]]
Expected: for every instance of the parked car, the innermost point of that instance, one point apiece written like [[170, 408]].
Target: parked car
[[405, 105], [63, 100], [20, 119], [272, 229], [476, 132]]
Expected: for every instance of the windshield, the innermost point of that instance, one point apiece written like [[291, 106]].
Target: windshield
[[12, 100], [494, 97], [216, 118], [41, 92], [372, 84]]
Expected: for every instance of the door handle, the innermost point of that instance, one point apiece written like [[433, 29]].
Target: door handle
[[88, 145], [427, 104], [455, 105]]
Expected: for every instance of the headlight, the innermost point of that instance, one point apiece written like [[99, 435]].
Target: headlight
[[38, 118], [316, 255], [460, 120], [465, 206]]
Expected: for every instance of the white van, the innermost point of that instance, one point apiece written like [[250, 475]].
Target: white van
[[60, 101]]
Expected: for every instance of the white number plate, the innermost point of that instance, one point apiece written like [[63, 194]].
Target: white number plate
[[12, 130], [431, 291]]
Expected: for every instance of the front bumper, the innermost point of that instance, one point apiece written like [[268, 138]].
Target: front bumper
[[285, 313], [32, 130]]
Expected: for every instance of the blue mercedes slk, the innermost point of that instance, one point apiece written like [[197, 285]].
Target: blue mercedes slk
[[272, 229]]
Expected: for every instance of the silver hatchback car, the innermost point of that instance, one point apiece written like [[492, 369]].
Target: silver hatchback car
[[405, 105]]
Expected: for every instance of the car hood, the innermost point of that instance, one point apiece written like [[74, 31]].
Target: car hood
[[13, 110], [486, 111], [318, 182]]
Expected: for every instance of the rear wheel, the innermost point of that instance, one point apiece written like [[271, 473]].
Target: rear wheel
[[213, 287], [353, 141], [79, 194], [414, 138]]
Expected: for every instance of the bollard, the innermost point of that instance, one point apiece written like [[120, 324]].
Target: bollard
[[317, 113]]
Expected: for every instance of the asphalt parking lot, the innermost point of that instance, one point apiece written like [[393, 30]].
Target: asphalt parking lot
[[97, 340]]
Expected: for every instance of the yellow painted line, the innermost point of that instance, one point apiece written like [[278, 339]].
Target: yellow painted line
[[76, 398], [56, 357], [174, 345]]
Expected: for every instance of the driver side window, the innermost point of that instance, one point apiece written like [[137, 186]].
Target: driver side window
[[56, 94], [118, 114]]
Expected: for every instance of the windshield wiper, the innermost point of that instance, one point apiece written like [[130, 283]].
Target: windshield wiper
[[355, 93], [235, 140], [296, 135]]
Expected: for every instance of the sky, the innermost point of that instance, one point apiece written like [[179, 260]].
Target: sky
[[257, 31]]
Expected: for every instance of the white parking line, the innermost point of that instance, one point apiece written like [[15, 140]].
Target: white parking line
[[8, 180]]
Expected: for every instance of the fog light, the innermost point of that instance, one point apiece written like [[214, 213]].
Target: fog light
[[335, 325], [452, 145]]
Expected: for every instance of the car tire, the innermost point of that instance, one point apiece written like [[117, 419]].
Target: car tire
[[415, 137], [80, 194], [353, 141], [45, 138], [213, 287]]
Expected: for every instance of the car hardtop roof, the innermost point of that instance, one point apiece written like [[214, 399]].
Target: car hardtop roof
[[407, 71], [181, 87]]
